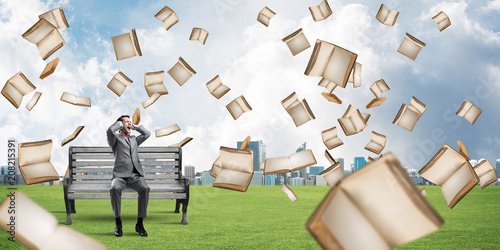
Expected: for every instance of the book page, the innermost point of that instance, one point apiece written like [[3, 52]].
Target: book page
[[296, 42], [277, 165], [410, 47], [325, 9], [235, 109], [220, 91], [56, 17], [290, 101], [236, 159], [72, 136], [378, 138], [214, 84], [347, 126], [374, 147], [442, 166], [216, 167], [302, 159], [180, 73], [334, 176], [358, 121], [150, 100], [299, 114], [390, 19], [319, 59], [382, 13], [472, 114], [330, 86], [339, 66], [229, 176], [34, 152], [329, 134], [333, 143], [82, 101], [408, 119], [33, 101], [50, 43], [316, 13], [167, 131], [488, 178], [38, 170], [329, 157], [291, 195], [12, 94], [417, 105], [38, 31], [124, 46], [456, 182]]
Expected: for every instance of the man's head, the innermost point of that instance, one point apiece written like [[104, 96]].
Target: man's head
[[126, 124]]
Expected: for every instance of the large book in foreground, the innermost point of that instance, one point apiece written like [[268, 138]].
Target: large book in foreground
[[298, 110], [320, 12], [377, 207], [36, 228], [408, 116], [285, 164], [46, 37], [34, 162], [17, 87], [236, 169], [126, 45]]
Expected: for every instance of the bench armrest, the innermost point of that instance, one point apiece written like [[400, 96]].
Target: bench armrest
[[185, 181]]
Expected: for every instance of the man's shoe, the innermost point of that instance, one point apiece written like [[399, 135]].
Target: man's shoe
[[140, 229], [118, 231]]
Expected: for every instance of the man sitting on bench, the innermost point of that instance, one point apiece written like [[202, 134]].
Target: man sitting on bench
[[127, 170]]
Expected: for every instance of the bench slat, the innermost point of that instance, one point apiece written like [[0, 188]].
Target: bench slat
[[104, 187], [108, 176], [141, 149], [128, 196], [111, 156], [110, 170], [111, 163], [108, 181]]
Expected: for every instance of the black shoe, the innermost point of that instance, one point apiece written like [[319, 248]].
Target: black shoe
[[118, 231], [140, 229]]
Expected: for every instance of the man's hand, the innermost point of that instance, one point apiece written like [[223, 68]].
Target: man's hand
[[134, 127]]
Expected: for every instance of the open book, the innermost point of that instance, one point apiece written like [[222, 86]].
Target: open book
[[49, 68], [296, 42], [126, 45], [199, 34], [17, 87], [469, 111], [377, 143], [181, 72], [75, 100], [167, 16], [167, 131], [353, 122], [379, 87], [320, 12], [370, 159], [265, 16], [236, 169], [245, 143], [291, 195], [386, 16], [330, 86], [329, 157], [442, 20], [376, 102], [453, 172], [333, 174], [486, 173], [331, 97], [151, 100], [118, 83], [33, 101], [377, 207], [216, 166], [34, 162], [410, 46], [408, 116], [330, 138], [285, 164], [298, 110], [36, 228], [355, 76], [238, 106], [46, 37], [216, 88], [153, 82], [331, 62], [56, 17], [182, 143], [136, 118], [72, 136]]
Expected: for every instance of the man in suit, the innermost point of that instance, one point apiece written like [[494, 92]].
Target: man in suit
[[127, 170]]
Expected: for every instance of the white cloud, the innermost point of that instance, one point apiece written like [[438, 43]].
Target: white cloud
[[493, 5]]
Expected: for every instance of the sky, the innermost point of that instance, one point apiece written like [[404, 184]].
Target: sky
[[460, 63]]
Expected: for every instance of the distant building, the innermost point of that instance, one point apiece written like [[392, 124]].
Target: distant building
[[189, 172], [197, 181], [320, 181], [257, 178], [359, 162], [262, 151], [206, 178], [341, 160], [498, 168], [297, 181], [415, 177], [270, 180], [294, 174], [258, 154], [316, 170], [309, 182], [280, 179]]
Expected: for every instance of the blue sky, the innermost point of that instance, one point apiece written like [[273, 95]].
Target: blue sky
[[461, 62]]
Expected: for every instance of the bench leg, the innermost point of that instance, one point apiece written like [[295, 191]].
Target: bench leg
[[72, 203], [184, 207], [177, 205], [68, 206]]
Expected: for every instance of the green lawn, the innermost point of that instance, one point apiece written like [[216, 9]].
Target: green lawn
[[263, 217]]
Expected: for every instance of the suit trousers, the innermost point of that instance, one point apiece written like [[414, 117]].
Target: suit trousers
[[135, 182]]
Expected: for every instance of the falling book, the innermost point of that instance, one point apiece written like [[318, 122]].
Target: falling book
[[118, 83], [238, 106], [167, 131], [423, 192], [136, 118], [56, 17], [386, 16], [453, 172], [376, 102], [150, 100], [331, 62], [216, 88], [285, 164], [329, 157], [442, 20], [330, 138], [75, 100], [17, 87], [333, 174], [36, 228], [199, 34], [355, 76], [167, 16], [377, 143], [296, 42], [265, 16], [72, 136], [33, 101], [34, 162], [352, 122], [331, 97], [486, 173], [182, 143], [49, 68], [411, 46], [298, 110], [379, 87], [246, 143], [237, 169], [291, 195], [153, 82], [126, 45], [408, 116], [46, 37], [330, 86], [379, 203], [181, 72], [217, 166], [469, 111], [320, 12]]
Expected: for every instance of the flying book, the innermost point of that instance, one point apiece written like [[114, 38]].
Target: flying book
[[181, 72], [442, 20], [199, 34], [333, 174], [150, 100], [331, 97], [46, 37], [376, 102], [329, 157], [463, 150], [34, 162], [352, 122], [331, 62], [355, 76], [469, 111], [379, 87], [423, 192], [126, 45], [330, 86], [136, 118], [217, 166], [182, 143], [33, 101], [370, 159], [17, 87], [56, 17], [298, 110], [486, 173], [285, 164], [296, 42], [411, 46], [265, 16], [153, 82], [377, 143], [246, 143], [238, 106], [167, 16], [167, 131], [36, 228], [386, 16], [236, 169], [291, 195], [216, 88], [49, 68], [72, 136], [453, 172], [320, 12], [330, 138], [408, 116], [378, 204], [118, 83], [75, 100]]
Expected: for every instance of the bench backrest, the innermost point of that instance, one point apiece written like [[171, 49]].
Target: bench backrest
[[95, 164]]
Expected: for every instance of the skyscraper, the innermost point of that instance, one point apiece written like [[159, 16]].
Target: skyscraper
[[498, 168], [359, 162], [259, 153], [257, 178], [270, 179], [302, 171], [315, 170], [262, 151], [206, 178], [189, 172], [341, 160]]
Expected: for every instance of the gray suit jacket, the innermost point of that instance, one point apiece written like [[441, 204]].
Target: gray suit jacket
[[125, 150]]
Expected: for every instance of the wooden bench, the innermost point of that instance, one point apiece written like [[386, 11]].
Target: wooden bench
[[90, 172]]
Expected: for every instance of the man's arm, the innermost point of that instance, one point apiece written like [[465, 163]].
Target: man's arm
[[111, 133], [144, 134]]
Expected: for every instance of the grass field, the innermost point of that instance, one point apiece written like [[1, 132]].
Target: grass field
[[262, 218]]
